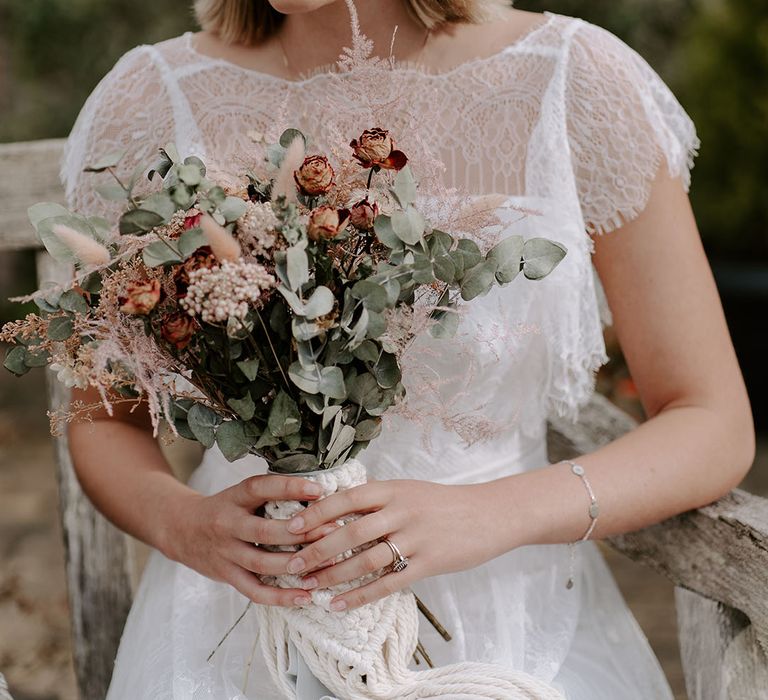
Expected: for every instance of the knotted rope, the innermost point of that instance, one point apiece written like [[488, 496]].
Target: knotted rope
[[364, 653]]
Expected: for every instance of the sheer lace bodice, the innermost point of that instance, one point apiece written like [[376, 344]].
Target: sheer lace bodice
[[567, 121], [568, 126]]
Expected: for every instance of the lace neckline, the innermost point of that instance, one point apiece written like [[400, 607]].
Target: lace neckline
[[405, 67]]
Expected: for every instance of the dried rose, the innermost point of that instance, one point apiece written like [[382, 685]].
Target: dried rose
[[178, 328], [192, 219], [326, 222], [140, 297], [202, 257], [363, 214], [315, 176], [376, 149]]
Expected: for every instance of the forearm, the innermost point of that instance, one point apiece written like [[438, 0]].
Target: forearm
[[681, 459], [124, 473]]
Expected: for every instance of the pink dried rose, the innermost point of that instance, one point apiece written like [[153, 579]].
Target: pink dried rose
[[326, 222], [177, 329], [315, 176], [363, 214], [376, 149], [192, 219], [140, 297]]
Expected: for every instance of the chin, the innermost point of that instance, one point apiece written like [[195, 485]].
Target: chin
[[295, 7]]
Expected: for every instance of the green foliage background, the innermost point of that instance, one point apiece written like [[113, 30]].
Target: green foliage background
[[713, 53]]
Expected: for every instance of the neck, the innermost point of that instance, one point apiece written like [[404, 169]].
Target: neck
[[316, 38]]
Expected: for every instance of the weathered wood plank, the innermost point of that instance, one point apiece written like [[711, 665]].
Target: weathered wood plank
[[98, 579], [721, 657], [29, 173]]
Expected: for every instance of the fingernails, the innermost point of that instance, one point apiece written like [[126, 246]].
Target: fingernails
[[313, 489], [296, 565], [308, 583], [302, 600], [338, 605], [296, 524]]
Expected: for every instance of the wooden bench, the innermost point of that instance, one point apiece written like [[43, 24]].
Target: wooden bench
[[716, 556]]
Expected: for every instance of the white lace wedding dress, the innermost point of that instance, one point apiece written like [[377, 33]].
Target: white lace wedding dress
[[568, 122]]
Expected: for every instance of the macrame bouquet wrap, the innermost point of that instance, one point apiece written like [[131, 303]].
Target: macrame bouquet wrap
[[364, 653]]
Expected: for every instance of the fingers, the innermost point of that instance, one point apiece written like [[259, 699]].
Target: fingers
[[258, 560], [355, 534], [366, 562], [257, 490], [380, 588], [249, 585], [359, 499]]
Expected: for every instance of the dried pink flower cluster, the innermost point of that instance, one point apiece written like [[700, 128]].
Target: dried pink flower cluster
[[256, 228], [227, 291]]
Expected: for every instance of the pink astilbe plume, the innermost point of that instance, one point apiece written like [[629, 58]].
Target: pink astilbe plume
[[83, 247], [284, 185], [223, 244]]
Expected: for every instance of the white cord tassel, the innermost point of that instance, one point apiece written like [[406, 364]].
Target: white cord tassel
[[364, 653], [5, 694]]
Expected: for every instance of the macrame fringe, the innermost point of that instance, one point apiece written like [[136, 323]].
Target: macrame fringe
[[364, 654]]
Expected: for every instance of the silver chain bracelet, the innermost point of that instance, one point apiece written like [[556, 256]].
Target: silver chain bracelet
[[594, 511]]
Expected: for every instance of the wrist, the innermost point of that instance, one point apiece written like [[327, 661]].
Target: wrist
[[173, 508]]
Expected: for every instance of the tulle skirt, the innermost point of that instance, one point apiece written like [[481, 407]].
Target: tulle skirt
[[514, 610]]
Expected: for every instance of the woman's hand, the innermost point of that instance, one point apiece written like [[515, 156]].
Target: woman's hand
[[439, 528], [215, 536]]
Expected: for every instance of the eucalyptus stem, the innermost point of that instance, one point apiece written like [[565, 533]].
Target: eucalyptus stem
[[274, 353], [229, 631], [112, 172]]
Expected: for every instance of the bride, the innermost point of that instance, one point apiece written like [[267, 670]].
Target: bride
[[543, 113]]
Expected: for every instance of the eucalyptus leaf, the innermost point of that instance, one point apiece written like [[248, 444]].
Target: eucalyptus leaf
[[304, 330], [101, 228], [202, 422], [36, 357], [367, 430], [297, 267], [295, 464], [320, 303], [189, 241], [110, 160], [250, 368], [373, 296], [332, 383], [387, 371], [306, 378], [139, 221], [161, 204], [404, 187], [45, 210], [244, 407], [60, 328], [72, 300], [367, 351], [53, 244], [235, 439], [297, 306], [160, 253], [408, 225], [284, 417], [232, 208], [329, 413], [384, 231], [112, 191], [14, 360], [478, 280], [541, 256], [343, 441], [190, 175], [507, 254]]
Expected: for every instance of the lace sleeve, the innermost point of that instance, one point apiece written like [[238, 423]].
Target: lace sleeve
[[129, 110], [623, 123]]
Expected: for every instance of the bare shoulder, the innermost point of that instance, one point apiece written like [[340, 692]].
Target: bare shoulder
[[468, 41]]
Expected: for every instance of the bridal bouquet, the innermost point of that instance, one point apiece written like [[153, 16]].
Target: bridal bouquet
[[269, 318]]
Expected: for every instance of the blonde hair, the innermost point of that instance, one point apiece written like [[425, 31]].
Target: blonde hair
[[252, 21]]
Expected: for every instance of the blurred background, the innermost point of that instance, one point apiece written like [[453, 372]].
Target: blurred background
[[712, 53]]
